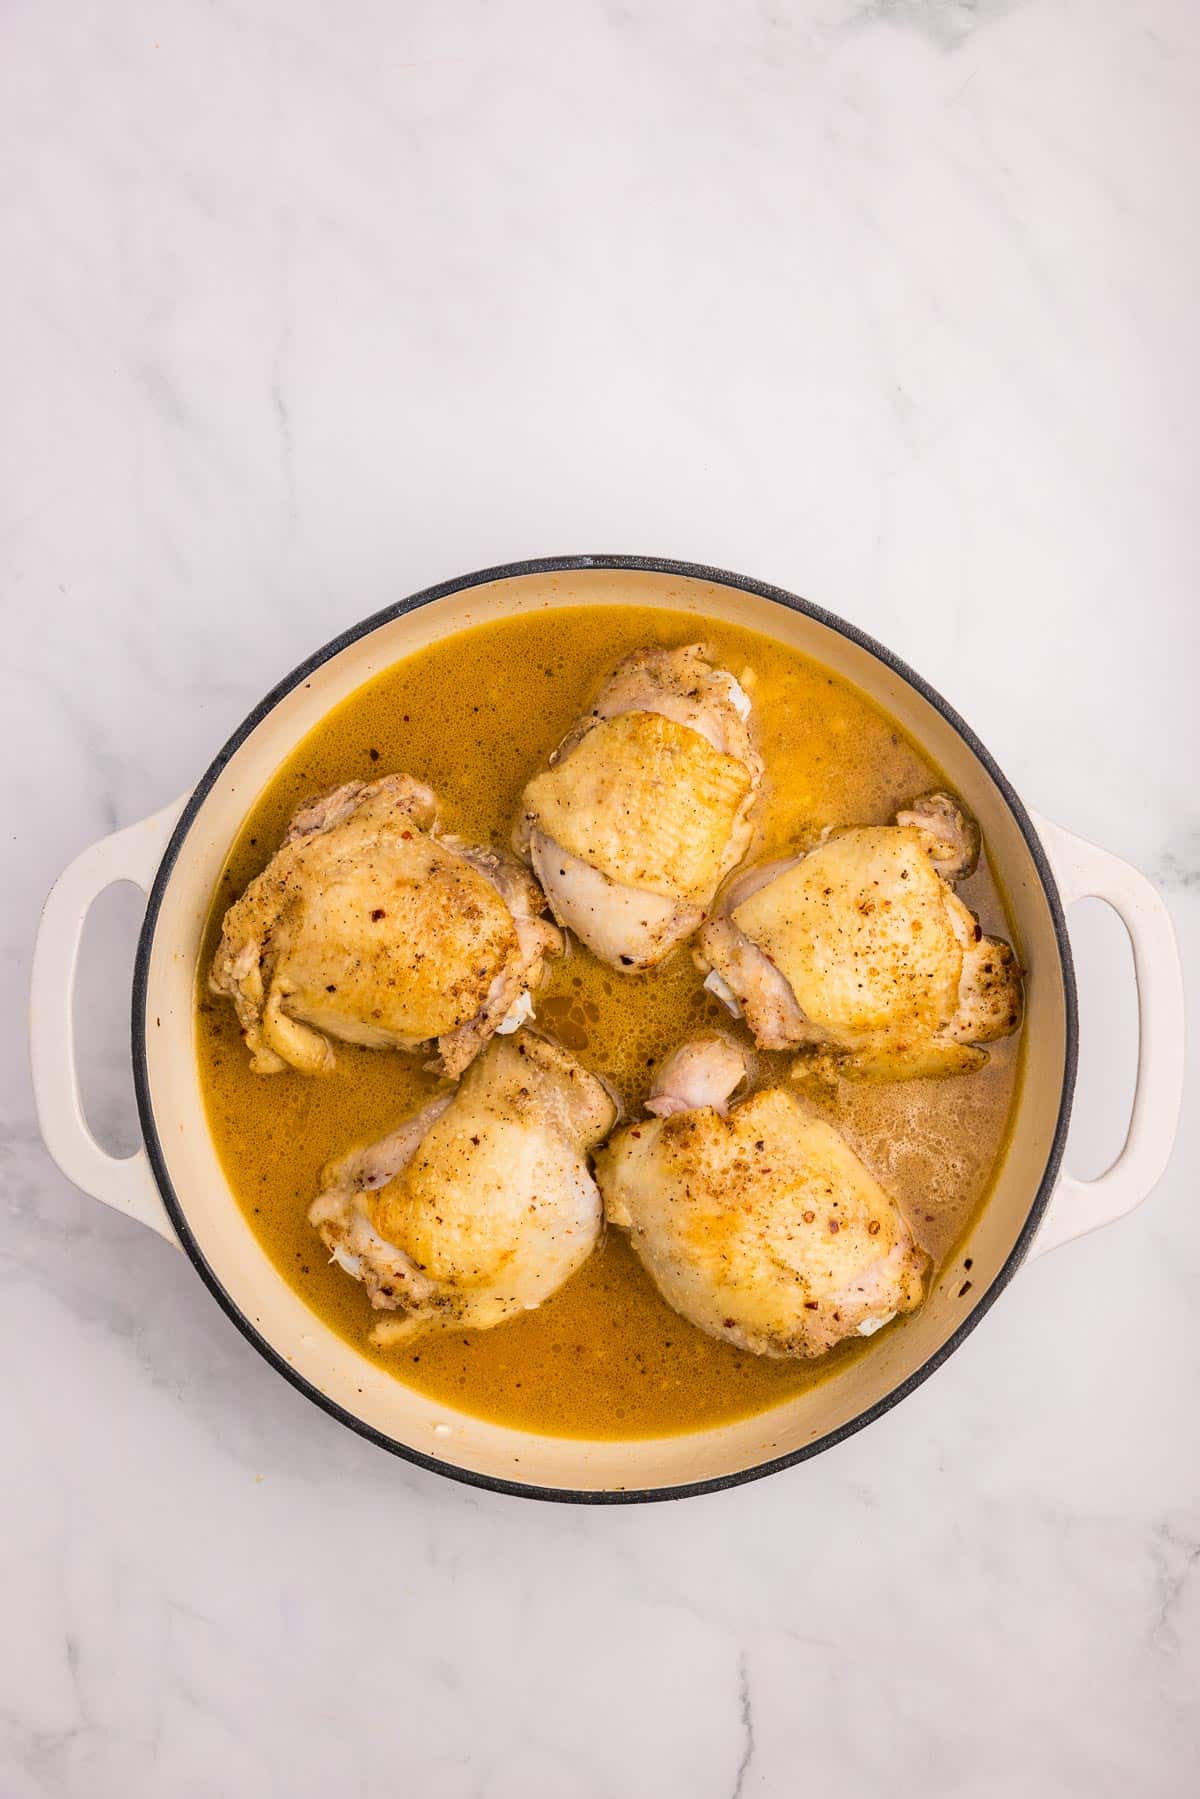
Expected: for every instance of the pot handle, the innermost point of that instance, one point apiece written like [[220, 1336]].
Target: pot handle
[[125, 1183], [1082, 870]]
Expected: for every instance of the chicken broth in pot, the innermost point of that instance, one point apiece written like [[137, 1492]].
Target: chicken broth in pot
[[473, 716]]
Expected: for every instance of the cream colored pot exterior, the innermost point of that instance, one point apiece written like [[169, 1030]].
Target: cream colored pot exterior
[[179, 1188]]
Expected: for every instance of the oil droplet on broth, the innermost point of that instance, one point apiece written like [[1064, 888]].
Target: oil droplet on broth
[[605, 1356]]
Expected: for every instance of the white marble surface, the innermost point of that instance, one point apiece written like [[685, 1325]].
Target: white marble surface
[[305, 306]]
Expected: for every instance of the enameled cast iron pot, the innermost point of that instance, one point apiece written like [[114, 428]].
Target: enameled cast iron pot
[[175, 1184]]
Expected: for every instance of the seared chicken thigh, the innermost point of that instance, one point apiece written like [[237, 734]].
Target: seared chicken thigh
[[860, 952], [366, 926], [758, 1224], [645, 807], [481, 1205]]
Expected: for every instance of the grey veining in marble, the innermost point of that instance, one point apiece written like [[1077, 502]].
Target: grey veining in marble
[[304, 307]]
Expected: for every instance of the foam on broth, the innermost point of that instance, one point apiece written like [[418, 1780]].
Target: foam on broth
[[474, 716]]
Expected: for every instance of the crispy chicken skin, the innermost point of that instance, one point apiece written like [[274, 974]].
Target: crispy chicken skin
[[480, 1205], [367, 926], [645, 807], [757, 1223], [860, 954]]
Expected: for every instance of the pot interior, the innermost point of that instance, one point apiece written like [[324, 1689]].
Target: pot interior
[[216, 1232]]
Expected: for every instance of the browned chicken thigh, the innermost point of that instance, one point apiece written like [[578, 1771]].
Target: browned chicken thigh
[[481, 1204], [860, 953], [645, 807], [367, 926], [757, 1222]]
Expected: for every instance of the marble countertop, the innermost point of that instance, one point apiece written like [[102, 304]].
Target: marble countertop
[[892, 302]]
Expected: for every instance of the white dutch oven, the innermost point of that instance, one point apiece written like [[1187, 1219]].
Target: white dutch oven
[[176, 1185]]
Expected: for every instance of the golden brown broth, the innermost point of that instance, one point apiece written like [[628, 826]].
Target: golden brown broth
[[473, 716]]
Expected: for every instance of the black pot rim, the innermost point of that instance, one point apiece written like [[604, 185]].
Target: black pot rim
[[154, 1148]]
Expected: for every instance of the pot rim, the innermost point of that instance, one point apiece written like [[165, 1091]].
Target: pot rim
[[153, 1143]]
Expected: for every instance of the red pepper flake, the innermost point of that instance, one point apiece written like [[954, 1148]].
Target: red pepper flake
[[873, 1228], [809, 1217], [834, 1227], [377, 914], [810, 1305], [374, 755], [965, 1288]]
